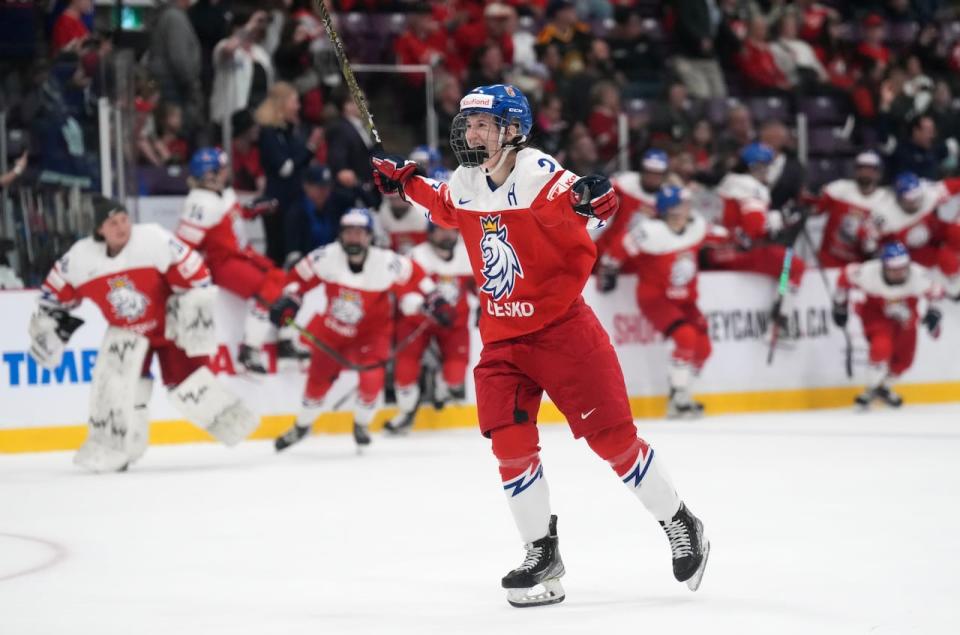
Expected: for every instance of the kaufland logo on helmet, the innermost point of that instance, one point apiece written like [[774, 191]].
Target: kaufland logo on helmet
[[476, 100]]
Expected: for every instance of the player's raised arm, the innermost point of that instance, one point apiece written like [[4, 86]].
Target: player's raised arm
[[393, 173]]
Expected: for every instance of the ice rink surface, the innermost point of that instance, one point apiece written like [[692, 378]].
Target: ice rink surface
[[820, 522]]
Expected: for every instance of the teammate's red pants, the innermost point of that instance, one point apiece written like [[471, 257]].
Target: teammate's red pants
[[891, 343], [763, 259], [175, 366], [249, 275], [454, 344], [366, 348], [684, 324]]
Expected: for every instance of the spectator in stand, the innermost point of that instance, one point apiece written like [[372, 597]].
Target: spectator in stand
[[497, 28], [564, 29], [323, 205], [582, 155], [638, 60], [833, 55], [211, 23], [285, 153], [673, 119], [149, 149], [551, 128], [348, 147], [69, 31], [757, 63], [737, 133], [243, 70], [871, 47], [447, 104], [19, 166], [579, 87], [942, 112], [796, 58], [488, 68], [814, 19], [174, 61], [423, 43], [169, 121], [56, 130], [245, 154], [696, 62], [785, 176], [919, 152], [702, 148], [602, 122], [734, 18]]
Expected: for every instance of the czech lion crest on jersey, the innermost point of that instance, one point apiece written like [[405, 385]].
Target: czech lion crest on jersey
[[501, 267], [127, 301], [683, 270], [347, 308]]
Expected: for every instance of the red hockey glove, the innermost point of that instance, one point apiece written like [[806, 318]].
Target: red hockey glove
[[284, 310], [593, 197], [438, 309], [260, 206], [391, 172]]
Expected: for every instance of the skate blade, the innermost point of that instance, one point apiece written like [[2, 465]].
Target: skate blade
[[546, 593], [693, 583]]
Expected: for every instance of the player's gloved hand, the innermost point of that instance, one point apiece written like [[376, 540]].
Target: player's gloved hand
[[840, 314], [50, 330], [607, 278], [390, 172], [593, 196], [285, 309], [261, 206], [931, 320], [438, 309]]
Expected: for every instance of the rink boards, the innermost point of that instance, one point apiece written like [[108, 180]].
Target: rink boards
[[43, 410]]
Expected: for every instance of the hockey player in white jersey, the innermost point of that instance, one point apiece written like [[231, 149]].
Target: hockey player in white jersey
[[156, 295], [892, 287], [212, 223], [444, 258]]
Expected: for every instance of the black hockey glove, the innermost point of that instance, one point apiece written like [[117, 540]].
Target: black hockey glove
[[285, 309], [438, 309], [931, 320], [390, 172], [840, 314], [593, 196], [66, 323], [607, 279]]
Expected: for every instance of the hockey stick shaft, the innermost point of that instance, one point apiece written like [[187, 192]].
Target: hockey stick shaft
[[781, 291], [319, 345], [355, 91], [848, 352]]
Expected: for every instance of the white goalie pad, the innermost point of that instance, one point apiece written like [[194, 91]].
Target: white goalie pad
[[116, 434], [207, 403], [190, 323], [45, 345]]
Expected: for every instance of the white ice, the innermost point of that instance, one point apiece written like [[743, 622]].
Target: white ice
[[821, 522]]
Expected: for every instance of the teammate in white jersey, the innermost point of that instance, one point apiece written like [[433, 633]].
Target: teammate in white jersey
[[893, 287], [156, 295]]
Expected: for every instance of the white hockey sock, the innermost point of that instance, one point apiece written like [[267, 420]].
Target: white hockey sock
[[528, 497], [311, 409], [877, 374], [256, 328], [678, 374], [408, 397], [365, 411], [652, 485]]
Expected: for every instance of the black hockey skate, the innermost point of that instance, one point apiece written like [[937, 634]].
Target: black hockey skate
[[287, 350], [251, 359], [881, 393], [361, 435], [291, 436], [400, 424], [536, 582], [689, 547], [682, 406]]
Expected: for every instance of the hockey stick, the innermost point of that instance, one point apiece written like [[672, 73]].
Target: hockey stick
[[355, 92], [343, 361], [781, 291], [848, 352]]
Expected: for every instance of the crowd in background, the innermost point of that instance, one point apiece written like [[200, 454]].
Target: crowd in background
[[699, 79]]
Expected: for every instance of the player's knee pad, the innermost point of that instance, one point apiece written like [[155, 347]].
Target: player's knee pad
[[114, 430], [207, 403], [685, 338], [618, 445], [517, 448], [881, 348]]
